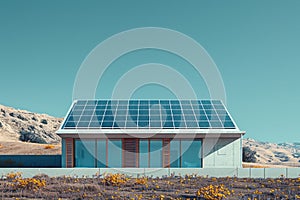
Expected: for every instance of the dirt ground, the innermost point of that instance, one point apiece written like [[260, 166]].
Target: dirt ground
[[9, 145], [121, 187]]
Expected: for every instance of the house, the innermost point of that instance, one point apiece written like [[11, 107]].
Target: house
[[150, 134]]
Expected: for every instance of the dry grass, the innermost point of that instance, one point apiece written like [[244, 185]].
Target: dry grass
[[253, 165], [49, 146], [258, 165], [27, 148]]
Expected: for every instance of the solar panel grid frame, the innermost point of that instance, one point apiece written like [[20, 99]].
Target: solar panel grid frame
[[208, 108]]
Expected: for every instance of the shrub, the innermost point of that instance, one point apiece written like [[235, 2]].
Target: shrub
[[17, 182], [29, 183], [49, 146], [114, 179], [213, 192], [142, 181]]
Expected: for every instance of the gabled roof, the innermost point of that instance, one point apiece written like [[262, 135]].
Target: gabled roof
[[172, 116]]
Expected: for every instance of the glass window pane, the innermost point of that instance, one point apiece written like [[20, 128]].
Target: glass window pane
[[84, 153], [101, 153], [191, 153], [81, 102], [205, 101], [143, 154], [114, 153], [228, 124], [155, 153], [204, 124], [63, 150], [175, 153], [70, 124]]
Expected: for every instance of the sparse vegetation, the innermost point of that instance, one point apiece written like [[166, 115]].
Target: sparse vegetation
[[119, 186], [49, 146]]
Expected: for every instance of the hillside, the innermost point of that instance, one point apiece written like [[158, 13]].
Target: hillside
[[21, 125], [287, 154]]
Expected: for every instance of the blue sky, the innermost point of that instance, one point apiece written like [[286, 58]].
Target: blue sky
[[255, 44]]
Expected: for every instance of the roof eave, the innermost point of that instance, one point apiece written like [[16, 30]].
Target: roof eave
[[149, 131]]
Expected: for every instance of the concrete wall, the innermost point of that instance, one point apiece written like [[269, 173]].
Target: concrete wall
[[159, 172], [30, 161], [222, 153]]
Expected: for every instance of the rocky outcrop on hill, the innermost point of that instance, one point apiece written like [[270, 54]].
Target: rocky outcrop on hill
[[27, 126], [249, 155]]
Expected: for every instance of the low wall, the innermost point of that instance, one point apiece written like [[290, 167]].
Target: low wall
[[26, 161], [160, 172]]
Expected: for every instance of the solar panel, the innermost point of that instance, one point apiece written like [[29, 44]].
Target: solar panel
[[147, 114]]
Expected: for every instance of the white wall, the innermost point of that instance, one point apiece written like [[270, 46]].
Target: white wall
[[222, 152]]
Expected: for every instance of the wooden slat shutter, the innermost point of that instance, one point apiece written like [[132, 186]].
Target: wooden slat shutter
[[69, 152], [166, 153], [130, 152]]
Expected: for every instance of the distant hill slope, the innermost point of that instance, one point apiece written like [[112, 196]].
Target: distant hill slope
[[21, 125], [277, 154]]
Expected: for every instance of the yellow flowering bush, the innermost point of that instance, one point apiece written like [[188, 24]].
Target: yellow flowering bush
[[115, 179], [24, 183], [142, 181], [213, 192], [49, 146], [14, 175], [29, 183]]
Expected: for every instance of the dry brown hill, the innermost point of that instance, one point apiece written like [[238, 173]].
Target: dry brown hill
[[21, 125]]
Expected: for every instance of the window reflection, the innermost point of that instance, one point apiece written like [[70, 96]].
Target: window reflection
[[175, 153], [191, 153], [114, 153], [101, 153], [143, 154], [84, 153], [155, 153]]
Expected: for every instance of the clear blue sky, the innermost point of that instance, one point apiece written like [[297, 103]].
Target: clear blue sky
[[255, 44]]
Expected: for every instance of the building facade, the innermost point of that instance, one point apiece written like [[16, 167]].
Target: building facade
[[150, 134]]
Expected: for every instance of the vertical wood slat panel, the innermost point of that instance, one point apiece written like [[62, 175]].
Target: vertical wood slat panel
[[137, 152], [130, 150], [166, 153], [69, 152]]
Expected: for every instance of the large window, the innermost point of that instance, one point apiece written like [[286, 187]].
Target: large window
[[150, 153], [101, 153], [98, 153], [155, 153], [84, 153], [114, 153], [191, 153], [144, 154]]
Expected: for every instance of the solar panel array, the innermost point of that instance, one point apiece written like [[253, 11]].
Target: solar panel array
[[143, 114]]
